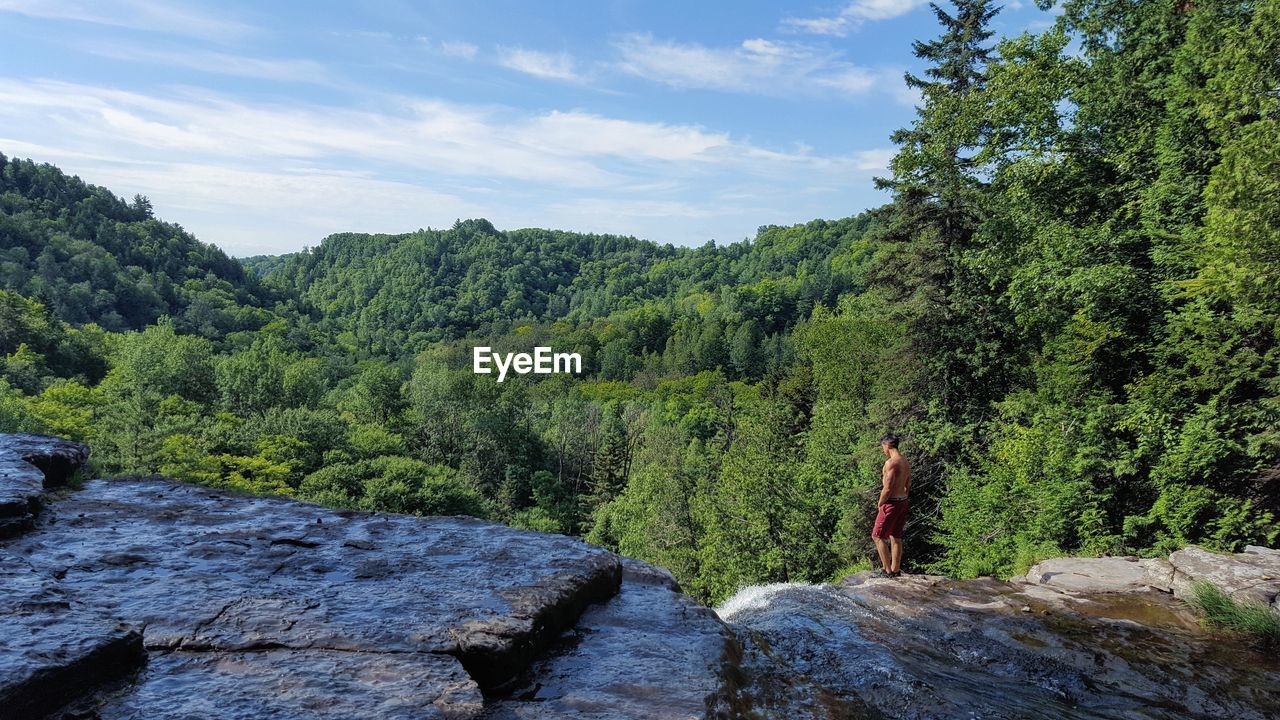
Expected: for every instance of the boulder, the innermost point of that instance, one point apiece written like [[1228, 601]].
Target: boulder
[[1099, 575], [1250, 576], [930, 648], [29, 464]]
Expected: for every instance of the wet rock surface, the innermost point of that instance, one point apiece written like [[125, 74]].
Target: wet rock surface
[[928, 647], [144, 598], [248, 685], [53, 647], [30, 464], [251, 607], [650, 652]]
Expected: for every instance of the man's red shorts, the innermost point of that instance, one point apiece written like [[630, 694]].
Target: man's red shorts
[[891, 519]]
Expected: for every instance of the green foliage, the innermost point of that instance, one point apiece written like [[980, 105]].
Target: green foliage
[[394, 484], [1255, 621], [1069, 312], [92, 257], [14, 416]]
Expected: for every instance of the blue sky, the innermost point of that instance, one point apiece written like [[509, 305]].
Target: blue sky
[[263, 127]]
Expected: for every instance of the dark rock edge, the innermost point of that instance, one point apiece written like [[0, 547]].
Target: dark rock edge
[[54, 463]]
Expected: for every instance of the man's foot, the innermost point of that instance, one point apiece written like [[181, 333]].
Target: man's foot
[[882, 574], [895, 573]]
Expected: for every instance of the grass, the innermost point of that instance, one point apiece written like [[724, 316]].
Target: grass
[[1253, 620], [853, 569]]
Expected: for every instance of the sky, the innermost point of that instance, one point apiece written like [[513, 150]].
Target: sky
[[264, 127]]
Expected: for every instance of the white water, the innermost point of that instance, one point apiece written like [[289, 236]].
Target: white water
[[757, 597]]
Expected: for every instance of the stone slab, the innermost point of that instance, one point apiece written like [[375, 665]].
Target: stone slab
[[1251, 576], [53, 647], [29, 464], [1094, 575], [210, 570], [295, 685], [649, 653]]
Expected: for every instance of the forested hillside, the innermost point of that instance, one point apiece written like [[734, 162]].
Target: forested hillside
[[91, 257], [397, 294], [1069, 310]]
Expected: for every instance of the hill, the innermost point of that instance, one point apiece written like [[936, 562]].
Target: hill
[[92, 257], [1068, 314], [397, 294]]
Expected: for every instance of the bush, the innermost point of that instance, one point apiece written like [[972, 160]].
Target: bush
[[1253, 620]]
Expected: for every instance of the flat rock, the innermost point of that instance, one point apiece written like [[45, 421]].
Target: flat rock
[[251, 603], [53, 647], [29, 464], [1252, 576], [648, 653], [925, 647], [320, 684], [1097, 575]]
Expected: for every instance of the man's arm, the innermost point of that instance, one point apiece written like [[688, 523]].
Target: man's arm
[[888, 474]]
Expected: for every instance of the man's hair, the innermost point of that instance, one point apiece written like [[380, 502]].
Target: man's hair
[[891, 440]]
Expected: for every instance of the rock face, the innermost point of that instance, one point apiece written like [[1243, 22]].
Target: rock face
[[28, 465], [1102, 575], [146, 598], [251, 607], [925, 647], [1251, 576]]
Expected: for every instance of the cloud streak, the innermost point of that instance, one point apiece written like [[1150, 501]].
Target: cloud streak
[[146, 15], [220, 63], [852, 16], [758, 66], [544, 65], [258, 177]]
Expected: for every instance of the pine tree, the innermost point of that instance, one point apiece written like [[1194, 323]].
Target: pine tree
[[923, 267], [931, 163]]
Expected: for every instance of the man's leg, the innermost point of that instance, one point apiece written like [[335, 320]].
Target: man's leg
[[883, 550], [896, 543]]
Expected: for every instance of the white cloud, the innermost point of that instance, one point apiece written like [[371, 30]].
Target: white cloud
[[149, 15], [852, 16], [458, 49], [549, 66], [875, 160], [766, 67], [219, 63], [584, 133], [261, 177]]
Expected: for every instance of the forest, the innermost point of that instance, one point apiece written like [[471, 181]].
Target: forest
[[1070, 311]]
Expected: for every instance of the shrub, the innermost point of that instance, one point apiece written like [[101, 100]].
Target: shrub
[[1253, 620]]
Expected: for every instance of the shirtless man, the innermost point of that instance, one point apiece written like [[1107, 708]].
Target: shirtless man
[[893, 508]]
